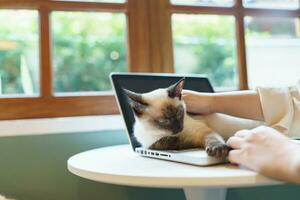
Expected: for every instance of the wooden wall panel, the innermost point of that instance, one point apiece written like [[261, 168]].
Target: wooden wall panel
[[45, 53], [138, 36], [241, 47], [24, 108], [161, 36]]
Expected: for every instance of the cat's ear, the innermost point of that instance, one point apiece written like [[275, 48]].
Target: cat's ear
[[136, 102], [176, 89]]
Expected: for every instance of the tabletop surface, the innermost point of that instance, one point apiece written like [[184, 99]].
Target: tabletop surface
[[120, 165]]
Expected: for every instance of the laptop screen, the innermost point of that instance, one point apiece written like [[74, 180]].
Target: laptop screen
[[142, 83]]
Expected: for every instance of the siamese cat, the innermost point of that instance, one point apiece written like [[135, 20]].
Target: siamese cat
[[162, 123]]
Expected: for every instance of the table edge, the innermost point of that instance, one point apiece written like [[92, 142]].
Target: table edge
[[169, 182]]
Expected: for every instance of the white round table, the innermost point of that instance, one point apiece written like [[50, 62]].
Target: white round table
[[120, 165]]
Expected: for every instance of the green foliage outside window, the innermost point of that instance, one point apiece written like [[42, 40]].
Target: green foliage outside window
[[19, 53], [205, 44], [87, 47]]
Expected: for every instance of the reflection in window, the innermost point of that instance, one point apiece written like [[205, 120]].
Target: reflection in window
[[276, 4], [205, 44], [19, 52], [87, 47], [273, 51]]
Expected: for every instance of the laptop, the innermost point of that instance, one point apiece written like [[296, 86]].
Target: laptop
[[145, 82]]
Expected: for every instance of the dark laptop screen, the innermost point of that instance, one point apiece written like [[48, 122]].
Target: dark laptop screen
[[142, 83]]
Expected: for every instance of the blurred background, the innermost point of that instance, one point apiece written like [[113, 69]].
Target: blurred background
[[87, 46]]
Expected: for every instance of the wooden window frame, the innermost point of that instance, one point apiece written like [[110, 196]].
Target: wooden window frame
[[239, 12], [150, 49]]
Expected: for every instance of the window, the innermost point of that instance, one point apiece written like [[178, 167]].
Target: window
[[205, 44], [273, 47], [269, 4], [55, 55], [204, 2], [86, 48], [266, 41], [19, 52]]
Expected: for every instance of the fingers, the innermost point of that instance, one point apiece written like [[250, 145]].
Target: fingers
[[235, 156], [242, 143], [236, 142], [242, 133]]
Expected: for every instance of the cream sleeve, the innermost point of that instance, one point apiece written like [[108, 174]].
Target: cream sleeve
[[277, 106]]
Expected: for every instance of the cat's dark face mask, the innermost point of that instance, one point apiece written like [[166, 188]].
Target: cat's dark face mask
[[172, 119], [172, 114]]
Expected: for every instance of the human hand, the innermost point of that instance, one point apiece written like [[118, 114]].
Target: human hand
[[198, 102], [267, 151]]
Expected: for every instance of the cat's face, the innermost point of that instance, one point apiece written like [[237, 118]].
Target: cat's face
[[161, 108]]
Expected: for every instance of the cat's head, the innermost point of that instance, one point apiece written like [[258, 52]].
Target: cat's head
[[160, 108]]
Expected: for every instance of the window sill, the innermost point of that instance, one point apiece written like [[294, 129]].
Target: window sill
[[60, 125]]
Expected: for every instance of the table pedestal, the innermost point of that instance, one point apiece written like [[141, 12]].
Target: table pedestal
[[205, 193]]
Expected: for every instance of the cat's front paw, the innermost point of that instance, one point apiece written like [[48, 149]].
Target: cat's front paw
[[218, 150]]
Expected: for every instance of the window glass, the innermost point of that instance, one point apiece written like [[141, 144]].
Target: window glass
[[205, 44], [273, 51], [276, 4], [87, 46], [19, 52], [203, 2]]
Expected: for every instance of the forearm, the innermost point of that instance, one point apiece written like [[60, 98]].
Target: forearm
[[244, 104]]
